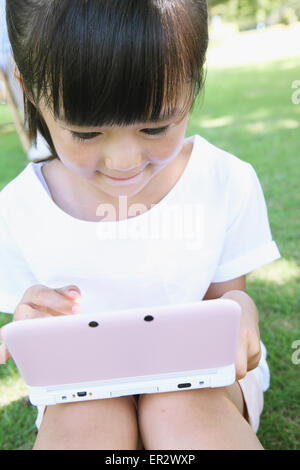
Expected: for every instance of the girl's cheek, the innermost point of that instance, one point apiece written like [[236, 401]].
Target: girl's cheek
[[80, 167], [167, 149], [76, 160]]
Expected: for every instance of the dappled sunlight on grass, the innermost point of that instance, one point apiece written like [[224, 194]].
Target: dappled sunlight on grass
[[261, 113], [289, 64], [218, 122], [12, 385], [257, 127], [250, 123], [279, 272], [12, 389], [287, 124], [260, 127]]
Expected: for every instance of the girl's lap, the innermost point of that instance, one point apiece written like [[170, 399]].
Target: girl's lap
[[233, 393], [136, 416], [94, 424]]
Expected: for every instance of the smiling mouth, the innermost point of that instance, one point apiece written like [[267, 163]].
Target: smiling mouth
[[124, 179]]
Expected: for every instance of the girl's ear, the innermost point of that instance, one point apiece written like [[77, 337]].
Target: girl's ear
[[20, 80]]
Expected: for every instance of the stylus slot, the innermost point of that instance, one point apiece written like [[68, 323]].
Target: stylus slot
[[185, 385]]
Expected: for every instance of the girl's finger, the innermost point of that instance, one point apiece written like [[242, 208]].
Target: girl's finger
[[72, 292], [30, 311], [253, 361], [241, 357], [52, 301]]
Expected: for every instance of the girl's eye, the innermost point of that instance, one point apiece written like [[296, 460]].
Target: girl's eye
[[91, 135], [85, 135], [156, 131]]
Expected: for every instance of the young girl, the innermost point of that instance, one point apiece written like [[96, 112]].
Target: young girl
[[110, 85]]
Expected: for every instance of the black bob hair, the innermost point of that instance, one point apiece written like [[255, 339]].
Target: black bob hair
[[107, 62]]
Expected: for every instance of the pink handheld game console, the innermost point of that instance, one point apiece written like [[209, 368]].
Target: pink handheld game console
[[126, 352]]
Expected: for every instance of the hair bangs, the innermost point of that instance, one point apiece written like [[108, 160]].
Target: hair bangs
[[100, 71]]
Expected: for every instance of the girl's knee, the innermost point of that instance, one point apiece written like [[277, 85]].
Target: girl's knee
[[175, 408], [108, 423], [179, 400], [193, 419], [204, 398]]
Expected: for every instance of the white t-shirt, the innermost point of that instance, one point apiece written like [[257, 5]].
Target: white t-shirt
[[211, 227]]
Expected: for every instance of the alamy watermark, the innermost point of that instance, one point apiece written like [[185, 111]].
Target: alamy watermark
[[296, 354], [171, 222], [296, 94]]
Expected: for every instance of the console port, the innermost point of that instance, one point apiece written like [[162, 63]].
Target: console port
[[186, 385], [81, 394]]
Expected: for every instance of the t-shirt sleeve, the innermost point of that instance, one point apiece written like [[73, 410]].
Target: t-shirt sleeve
[[15, 275], [248, 242]]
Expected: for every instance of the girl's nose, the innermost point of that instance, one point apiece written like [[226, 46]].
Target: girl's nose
[[123, 162]]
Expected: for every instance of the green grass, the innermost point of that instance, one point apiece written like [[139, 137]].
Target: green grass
[[247, 111], [12, 157]]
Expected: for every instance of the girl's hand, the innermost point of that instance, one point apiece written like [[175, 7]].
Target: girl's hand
[[249, 349], [41, 301]]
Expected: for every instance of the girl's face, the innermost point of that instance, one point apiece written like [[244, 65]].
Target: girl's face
[[117, 160]]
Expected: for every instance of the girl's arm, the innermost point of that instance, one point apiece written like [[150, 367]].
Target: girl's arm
[[249, 349], [217, 289]]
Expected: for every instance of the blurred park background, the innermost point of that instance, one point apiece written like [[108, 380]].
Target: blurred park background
[[251, 108]]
